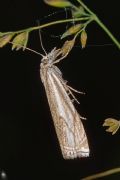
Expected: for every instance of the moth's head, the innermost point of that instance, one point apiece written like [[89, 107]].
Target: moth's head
[[50, 57]]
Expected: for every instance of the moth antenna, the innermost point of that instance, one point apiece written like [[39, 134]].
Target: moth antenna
[[40, 37]]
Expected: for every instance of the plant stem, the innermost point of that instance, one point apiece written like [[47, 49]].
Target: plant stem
[[85, 25], [108, 32], [59, 22], [102, 174], [48, 24], [99, 22], [85, 7]]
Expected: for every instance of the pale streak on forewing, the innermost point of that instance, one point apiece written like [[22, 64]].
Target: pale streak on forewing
[[68, 125]]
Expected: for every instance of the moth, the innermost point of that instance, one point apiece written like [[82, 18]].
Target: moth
[[68, 125]]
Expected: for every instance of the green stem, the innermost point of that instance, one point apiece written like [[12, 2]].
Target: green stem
[[85, 7], [108, 32], [99, 22], [49, 24], [59, 22]]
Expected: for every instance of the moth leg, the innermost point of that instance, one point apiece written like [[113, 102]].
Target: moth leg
[[61, 58], [81, 117], [75, 90], [68, 89], [70, 93]]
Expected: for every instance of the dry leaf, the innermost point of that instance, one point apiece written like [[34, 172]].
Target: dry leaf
[[20, 41], [72, 30], [113, 125], [5, 39], [58, 3], [67, 46], [83, 38]]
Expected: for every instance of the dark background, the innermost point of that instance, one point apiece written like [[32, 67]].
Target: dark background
[[28, 145]]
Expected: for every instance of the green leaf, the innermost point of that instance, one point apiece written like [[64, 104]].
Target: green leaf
[[4, 39], [72, 30], [20, 41], [79, 12], [58, 3], [113, 125]]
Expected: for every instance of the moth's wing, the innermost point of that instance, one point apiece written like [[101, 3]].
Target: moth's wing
[[74, 141], [68, 125]]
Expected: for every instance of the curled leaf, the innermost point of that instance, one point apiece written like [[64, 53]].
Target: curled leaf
[[58, 3], [83, 38], [67, 46], [113, 125], [72, 30], [20, 41], [5, 39]]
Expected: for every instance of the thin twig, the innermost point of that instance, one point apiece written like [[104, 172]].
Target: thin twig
[[102, 174]]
